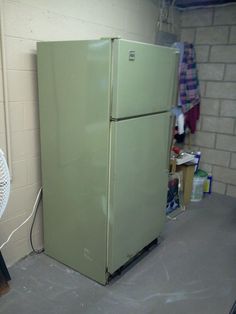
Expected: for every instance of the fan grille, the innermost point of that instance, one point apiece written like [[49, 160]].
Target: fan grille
[[4, 183]]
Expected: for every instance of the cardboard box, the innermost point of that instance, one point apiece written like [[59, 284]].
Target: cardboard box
[[188, 173]]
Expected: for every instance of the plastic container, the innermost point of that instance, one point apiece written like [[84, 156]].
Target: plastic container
[[198, 185], [197, 160], [208, 184]]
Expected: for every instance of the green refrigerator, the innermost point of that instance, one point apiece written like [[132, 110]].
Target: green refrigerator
[[104, 125]]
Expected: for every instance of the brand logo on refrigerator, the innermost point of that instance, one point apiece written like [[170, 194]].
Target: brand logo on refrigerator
[[131, 55]]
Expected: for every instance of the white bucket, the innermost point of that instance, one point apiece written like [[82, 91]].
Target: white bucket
[[197, 191]]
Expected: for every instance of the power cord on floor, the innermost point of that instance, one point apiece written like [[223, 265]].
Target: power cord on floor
[[32, 225], [34, 211]]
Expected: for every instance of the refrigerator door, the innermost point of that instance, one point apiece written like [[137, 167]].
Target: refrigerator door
[[138, 185], [143, 78]]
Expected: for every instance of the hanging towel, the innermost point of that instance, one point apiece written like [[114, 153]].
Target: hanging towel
[[188, 80], [189, 93], [191, 118]]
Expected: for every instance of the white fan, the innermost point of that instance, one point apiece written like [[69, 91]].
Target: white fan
[[4, 183]]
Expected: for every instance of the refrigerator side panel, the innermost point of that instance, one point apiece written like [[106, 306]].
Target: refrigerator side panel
[[143, 78], [138, 185], [74, 82]]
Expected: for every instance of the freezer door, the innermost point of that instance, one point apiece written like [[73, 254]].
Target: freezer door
[[143, 78], [138, 185]]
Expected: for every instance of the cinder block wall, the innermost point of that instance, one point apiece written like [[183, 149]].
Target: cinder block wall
[[213, 31], [25, 23]]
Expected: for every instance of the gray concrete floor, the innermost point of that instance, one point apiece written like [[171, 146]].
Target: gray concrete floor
[[193, 270]]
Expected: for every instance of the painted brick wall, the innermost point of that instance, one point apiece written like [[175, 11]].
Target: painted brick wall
[[213, 31], [29, 21]]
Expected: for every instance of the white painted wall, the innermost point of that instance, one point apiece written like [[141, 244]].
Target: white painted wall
[[25, 23]]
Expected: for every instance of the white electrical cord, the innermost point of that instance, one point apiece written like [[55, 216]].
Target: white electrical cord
[[26, 220]]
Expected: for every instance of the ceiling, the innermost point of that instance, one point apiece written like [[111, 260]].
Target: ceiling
[[185, 4]]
